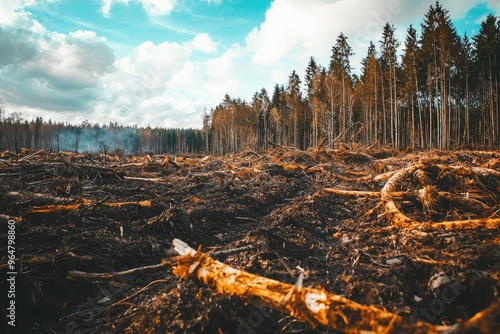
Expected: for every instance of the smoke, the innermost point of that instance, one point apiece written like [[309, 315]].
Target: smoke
[[97, 139]]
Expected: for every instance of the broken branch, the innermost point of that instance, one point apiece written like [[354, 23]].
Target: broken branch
[[81, 275], [75, 206]]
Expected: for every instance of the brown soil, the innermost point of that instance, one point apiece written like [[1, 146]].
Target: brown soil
[[273, 200]]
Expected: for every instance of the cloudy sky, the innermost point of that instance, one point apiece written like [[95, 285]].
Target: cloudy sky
[[162, 62]]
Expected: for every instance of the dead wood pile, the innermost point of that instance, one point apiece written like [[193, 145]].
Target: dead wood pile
[[389, 241]]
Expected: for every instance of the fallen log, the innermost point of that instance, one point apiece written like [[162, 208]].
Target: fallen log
[[356, 193], [39, 198], [58, 207], [316, 306], [350, 179], [384, 176], [77, 205], [354, 173], [489, 223], [169, 161], [464, 170], [144, 204], [28, 157], [465, 202]]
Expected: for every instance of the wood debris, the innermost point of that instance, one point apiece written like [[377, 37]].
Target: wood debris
[[430, 198], [367, 226], [84, 202], [316, 306]]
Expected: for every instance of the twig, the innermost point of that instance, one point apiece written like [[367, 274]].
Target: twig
[[81, 275], [233, 251], [247, 218], [321, 145], [131, 178], [138, 292]]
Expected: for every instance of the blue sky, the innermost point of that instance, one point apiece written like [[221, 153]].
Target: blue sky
[[128, 24], [162, 62]]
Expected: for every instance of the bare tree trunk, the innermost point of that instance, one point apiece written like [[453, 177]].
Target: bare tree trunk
[[467, 110]]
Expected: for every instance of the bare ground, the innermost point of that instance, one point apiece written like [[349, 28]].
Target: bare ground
[[272, 200]]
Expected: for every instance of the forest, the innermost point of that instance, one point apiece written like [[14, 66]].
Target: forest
[[17, 133], [440, 92]]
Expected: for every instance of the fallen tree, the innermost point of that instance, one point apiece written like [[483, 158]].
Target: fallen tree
[[316, 306]]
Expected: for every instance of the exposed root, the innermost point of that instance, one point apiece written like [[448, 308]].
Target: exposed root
[[429, 195], [398, 218], [422, 178]]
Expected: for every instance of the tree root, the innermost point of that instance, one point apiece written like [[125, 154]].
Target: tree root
[[429, 196], [401, 220]]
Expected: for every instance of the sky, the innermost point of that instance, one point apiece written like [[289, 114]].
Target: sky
[[161, 63]]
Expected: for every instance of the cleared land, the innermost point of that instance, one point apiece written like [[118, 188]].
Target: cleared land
[[412, 235]]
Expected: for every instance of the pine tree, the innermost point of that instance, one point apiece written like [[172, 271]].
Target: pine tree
[[277, 116], [313, 104], [294, 103], [369, 95], [340, 77], [439, 43], [410, 86], [486, 44], [311, 70], [388, 60]]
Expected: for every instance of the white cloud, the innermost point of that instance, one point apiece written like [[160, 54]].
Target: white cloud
[[300, 29], [494, 5], [106, 6], [141, 79], [222, 67], [76, 76], [152, 7], [279, 76], [204, 43], [8, 8], [44, 70], [70, 61]]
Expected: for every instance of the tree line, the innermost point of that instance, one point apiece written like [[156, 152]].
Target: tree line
[[442, 93], [17, 133]]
